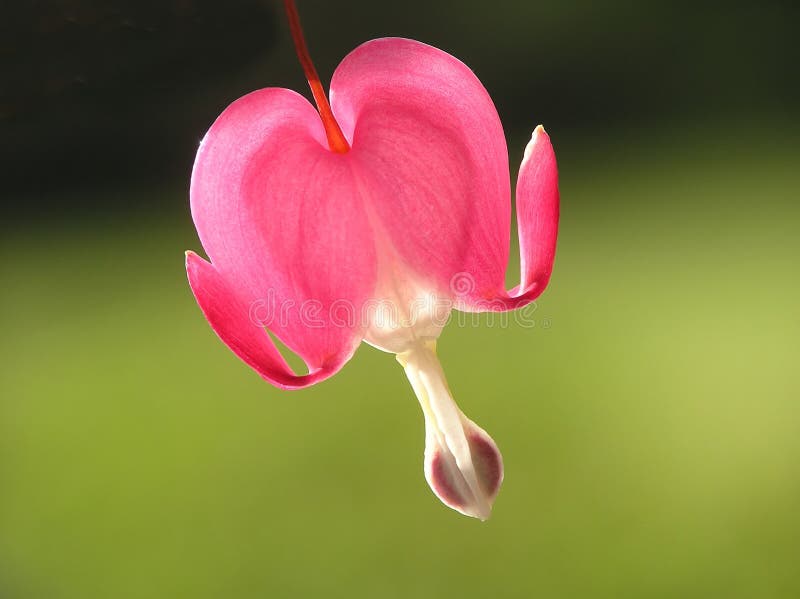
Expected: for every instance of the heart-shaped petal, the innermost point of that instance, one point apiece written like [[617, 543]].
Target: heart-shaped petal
[[431, 156], [278, 215]]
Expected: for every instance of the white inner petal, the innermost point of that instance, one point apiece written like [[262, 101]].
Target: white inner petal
[[462, 463], [404, 311], [463, 466]]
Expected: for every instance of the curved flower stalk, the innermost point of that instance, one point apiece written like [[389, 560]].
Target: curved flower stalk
[[370, 219]]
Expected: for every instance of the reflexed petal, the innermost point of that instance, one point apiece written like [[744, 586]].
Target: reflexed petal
[[537, 225], [236, 324], [277, 214], [537, 214]]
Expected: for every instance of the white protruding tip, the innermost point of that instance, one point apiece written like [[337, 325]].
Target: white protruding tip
[[463, 466]]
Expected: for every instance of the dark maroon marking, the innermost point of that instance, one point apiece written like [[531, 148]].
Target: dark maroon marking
[[487, 463], [442, 484]]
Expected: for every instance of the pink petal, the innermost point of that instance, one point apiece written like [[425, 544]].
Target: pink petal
[[231, 318], [431, 156], [537, 214], [537, 226], [277, 214]]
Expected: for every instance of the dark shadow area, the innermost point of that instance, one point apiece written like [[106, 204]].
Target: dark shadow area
[[100, 93]]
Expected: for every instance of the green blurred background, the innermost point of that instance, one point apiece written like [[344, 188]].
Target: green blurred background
[[649, 421]]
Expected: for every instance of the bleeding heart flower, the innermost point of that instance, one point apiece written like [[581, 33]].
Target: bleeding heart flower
[[369, 221]]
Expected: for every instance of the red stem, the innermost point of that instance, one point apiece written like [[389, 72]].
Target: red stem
[[336, 139]]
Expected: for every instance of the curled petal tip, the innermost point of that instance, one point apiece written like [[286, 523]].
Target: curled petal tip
[[538, 136], [231, 318]]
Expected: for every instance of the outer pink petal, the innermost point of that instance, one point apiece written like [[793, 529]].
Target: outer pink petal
[[537, 215], [430, 152], [537, 225], [290, 240], [431, 157], [230, 318]]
